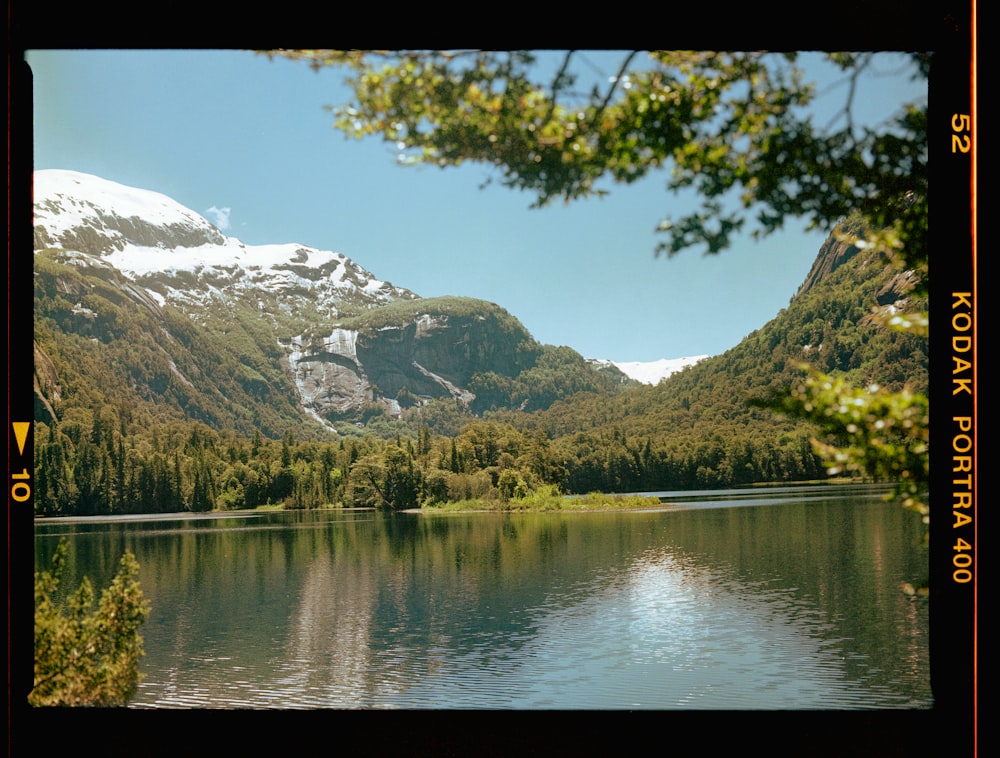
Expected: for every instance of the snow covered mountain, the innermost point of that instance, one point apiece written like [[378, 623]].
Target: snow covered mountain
[[181, 258], [267, 327]]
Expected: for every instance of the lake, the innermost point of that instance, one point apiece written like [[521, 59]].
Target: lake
[[767, 598]]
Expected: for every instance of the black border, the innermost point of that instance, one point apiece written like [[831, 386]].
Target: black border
[[945, 28]]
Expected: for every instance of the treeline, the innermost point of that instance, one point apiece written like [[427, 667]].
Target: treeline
[[114, 441], [90, 466]]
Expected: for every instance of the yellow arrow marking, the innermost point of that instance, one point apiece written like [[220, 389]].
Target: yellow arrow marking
[[21, 433]]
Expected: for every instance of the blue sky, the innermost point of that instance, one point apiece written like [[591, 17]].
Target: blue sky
[[248, 136]]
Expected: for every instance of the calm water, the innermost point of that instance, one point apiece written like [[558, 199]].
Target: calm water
[[781, 598]]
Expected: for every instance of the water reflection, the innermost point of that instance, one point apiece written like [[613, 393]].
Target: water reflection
[[790, 605]]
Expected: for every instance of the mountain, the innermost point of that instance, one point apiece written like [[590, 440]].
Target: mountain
[[178, 369], [257, 337], [710, 425], [143, 304], [179, 257]]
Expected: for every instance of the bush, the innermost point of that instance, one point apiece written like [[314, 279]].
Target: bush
[[82, 657]]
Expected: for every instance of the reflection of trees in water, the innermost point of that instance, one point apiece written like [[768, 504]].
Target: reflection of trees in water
[[480, 581], [351, 610]]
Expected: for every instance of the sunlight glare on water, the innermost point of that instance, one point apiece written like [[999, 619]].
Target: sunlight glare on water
[[790, 605]]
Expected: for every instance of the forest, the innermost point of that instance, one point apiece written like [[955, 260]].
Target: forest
[[559, 426]]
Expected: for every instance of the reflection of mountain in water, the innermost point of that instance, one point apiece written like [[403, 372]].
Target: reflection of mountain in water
[[329, 646], [795, 604]]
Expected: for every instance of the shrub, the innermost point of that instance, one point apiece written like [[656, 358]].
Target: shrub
[[85, 657]]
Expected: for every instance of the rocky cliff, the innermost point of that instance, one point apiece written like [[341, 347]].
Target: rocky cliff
[[432, 349], [835, 252]]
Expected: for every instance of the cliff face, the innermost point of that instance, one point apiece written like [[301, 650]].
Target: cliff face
[[832, 255], [835, 253], [429, 354], [229, 362]]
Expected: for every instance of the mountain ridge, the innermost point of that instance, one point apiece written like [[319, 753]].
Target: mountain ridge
[[211, 385], [138, 231], [149, 250], [288, 321], [167, 248]]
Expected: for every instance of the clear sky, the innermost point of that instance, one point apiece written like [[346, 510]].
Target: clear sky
[[246, 142]]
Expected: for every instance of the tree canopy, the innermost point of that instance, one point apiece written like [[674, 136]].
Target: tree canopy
[[732, 126]]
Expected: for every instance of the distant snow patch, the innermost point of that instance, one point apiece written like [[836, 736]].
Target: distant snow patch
[[651, 372]]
